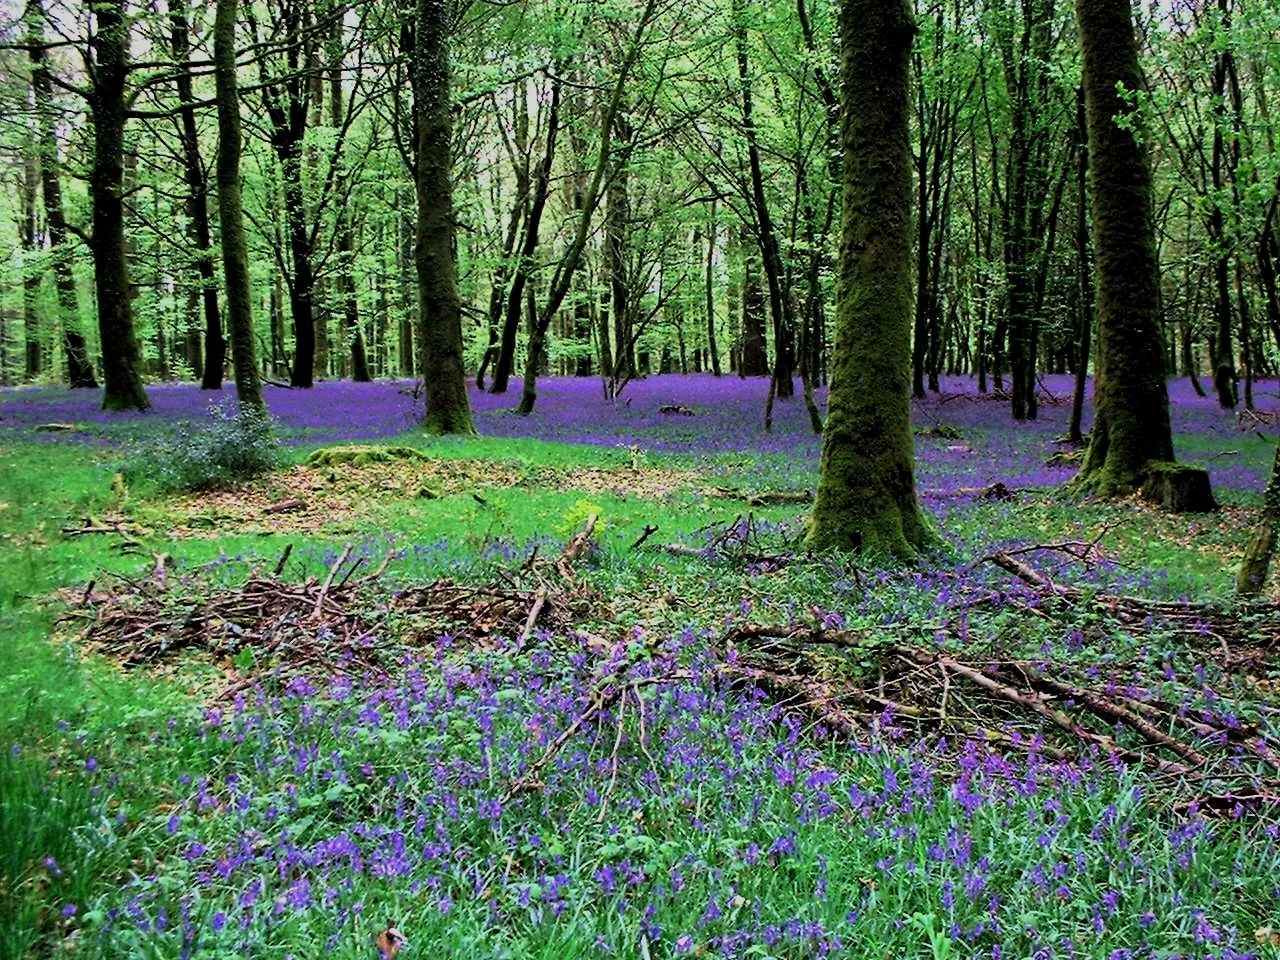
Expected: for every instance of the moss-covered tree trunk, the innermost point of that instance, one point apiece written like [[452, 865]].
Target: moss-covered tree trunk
[[235, 250], [1131, 402], [1258, 552], [121, 361], [866, 492], [439, 306]]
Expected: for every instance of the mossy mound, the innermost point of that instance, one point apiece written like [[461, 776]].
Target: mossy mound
[[1177, 487], [362, 456]]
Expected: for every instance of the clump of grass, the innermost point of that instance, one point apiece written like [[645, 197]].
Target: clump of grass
[[233, 445]]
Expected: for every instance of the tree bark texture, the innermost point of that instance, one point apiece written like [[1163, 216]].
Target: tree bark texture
[[121, 359], [1131, 400], [440, 308], [235, 250], [866, 498], [1261, 547]]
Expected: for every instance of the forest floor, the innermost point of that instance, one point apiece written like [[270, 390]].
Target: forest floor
[[571, 689]]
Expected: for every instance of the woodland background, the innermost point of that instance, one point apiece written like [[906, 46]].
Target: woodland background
[[710, 203]]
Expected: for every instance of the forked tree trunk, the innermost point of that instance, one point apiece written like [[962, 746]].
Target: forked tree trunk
[[866, 490]]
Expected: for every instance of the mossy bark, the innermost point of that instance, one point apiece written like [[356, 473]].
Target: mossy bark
[[866, 492], [121, 361], [439, 305], [1178, 487], [1131, 402], [235, 249], [1262, 542]]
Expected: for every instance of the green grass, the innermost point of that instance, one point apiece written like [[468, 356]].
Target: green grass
[[96, 763]]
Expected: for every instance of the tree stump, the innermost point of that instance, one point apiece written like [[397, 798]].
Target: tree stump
[[1178, 487], [359, 455]]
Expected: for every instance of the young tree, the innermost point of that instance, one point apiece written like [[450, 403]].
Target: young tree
[[866, 490], [440, 307], [235, 251]]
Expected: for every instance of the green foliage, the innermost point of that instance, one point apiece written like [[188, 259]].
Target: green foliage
[[235, 444]]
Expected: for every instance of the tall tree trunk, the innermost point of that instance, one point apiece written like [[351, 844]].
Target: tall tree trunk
[[79, 367], [766, 235], [606, 162], [1224, 367], [502, 275], [1084, 280], [215, 346], [1131, 403], [345, 226], [448, 408], [121, 358], [235, 249], [408, 287], [866, 489], [288, 103], [524, 267], [30, 251], [1267, 269], [713, 351], [617, 215], [754, 361]]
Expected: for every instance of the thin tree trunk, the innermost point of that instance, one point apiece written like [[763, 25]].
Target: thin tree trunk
[[1084, 319], [345, 226], [713, 351], [79, 368], [766, 235], [524, 267], [235, 250], [215, 346]]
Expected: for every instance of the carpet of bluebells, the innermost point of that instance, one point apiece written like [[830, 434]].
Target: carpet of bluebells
[[311, 817], [689, 817], [728, 419]]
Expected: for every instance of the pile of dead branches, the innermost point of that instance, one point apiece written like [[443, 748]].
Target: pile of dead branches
[[343, 624], [1161, 718]]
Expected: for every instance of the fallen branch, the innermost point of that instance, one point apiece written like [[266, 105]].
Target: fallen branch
[[649, 530], [574, 548], [328, 581]]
